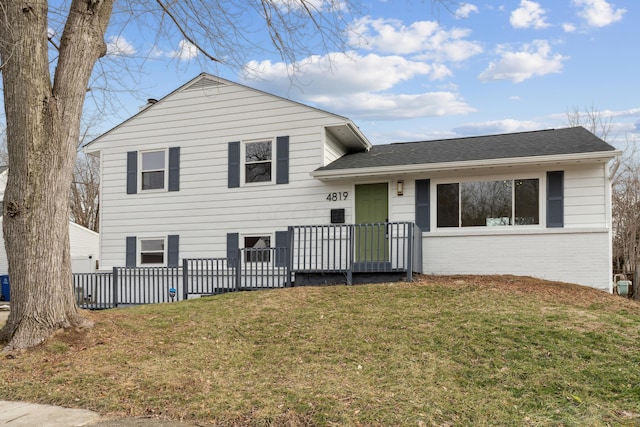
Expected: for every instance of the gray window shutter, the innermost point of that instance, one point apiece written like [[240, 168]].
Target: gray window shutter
[[282, 166], [174, 168], [423, 213], [234, 165], [131, 251], [555, 199], [233, 244], [282, 243], [132, 172], [173, 252]]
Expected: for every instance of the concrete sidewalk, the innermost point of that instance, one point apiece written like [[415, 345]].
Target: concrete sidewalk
[[21, 414]]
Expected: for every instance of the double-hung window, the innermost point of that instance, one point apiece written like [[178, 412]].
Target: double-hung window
[[488, 203], [152, 251], [153, 170], [258, 159]]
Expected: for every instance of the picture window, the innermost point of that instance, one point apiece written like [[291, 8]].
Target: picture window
[[488, 203]]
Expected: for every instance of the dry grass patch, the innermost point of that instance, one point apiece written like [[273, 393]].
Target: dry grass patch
[[439, 351]]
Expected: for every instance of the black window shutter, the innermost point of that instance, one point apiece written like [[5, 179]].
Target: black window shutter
[[234, 165], [423, 213], [131, 251], [555, 199], [174, 169], [282, 243], [233, 244], [132, 172], [282, 166], [173, 253]]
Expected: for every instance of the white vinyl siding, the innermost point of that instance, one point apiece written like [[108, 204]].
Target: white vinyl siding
[[332, 149]]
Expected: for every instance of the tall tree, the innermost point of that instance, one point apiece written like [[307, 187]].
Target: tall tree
[[43, 124], [48, 52]]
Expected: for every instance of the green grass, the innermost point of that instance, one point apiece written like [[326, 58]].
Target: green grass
[[439, 351]]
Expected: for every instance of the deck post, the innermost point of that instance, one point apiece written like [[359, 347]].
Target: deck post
[[410, 237], [289, 255], [238, 269], [115, 286], [350, 255], [185, 278]]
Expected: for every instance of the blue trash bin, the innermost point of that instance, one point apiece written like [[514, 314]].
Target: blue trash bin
[[5, 287]]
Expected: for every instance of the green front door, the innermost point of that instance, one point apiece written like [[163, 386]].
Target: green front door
[[372, 208]]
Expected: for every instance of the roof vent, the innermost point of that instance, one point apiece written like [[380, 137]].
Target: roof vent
[[204, 83]]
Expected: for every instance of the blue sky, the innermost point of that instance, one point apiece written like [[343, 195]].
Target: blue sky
[[415, 74]]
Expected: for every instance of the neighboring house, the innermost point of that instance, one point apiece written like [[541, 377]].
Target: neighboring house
[[216, 165], [84, 243]]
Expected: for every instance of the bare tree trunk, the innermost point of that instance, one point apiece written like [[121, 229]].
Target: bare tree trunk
[[43, 122]]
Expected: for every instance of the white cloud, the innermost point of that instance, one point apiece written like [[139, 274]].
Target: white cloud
[[598, 13], [425, 38], [119, 46], [345, 73], [373, 106], [528, 15], [568, 27], [534, 59], [497, 127], [185, 52], [358, 86], [465, 10]]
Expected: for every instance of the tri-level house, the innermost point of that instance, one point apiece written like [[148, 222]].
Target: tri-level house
[[218, 169]]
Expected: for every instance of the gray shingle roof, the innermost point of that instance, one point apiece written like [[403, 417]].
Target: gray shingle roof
[[513, 145]]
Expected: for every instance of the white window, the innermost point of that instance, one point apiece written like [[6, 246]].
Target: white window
[[153, 170], [257, 249], [258, 161], [152, 251]]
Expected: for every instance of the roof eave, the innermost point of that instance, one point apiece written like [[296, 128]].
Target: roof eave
[[328, 175], [350, 136]]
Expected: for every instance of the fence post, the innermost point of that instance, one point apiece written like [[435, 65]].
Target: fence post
[[185, 278], [238, 269], [410, 237], [115, 286], [351, 255], [289, 256]]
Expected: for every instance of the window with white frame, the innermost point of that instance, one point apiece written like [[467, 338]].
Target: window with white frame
[[257, 249], [153, 170], [258, 158], [488, 203], [152, 251]]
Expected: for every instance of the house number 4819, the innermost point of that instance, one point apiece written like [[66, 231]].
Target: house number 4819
[[334, 197]]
